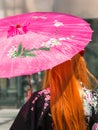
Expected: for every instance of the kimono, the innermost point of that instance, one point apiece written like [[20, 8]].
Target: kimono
[[36, 115]]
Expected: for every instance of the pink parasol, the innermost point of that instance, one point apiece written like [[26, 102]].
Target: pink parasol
[[38, 41]]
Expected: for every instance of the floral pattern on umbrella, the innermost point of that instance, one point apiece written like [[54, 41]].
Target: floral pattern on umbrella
[[39, 41]]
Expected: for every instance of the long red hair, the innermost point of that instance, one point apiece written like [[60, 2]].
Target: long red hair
[[66, 103]]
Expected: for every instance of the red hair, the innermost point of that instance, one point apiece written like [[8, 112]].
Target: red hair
[[82, 73], [65, 102]]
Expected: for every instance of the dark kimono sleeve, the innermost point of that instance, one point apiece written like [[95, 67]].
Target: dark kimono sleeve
[[23, 120], [95, 112], [35, 114], [95, 124]]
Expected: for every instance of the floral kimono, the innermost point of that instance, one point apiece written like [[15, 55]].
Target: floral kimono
[[36, 115]]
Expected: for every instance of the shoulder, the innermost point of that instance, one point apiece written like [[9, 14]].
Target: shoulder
[[39, 101], [40, 98], [44, 93]]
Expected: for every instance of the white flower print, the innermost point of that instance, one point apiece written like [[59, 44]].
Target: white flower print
[[11, 52], [57, 23], [36, 17], [90, 100], [52, 42], [95, 126]]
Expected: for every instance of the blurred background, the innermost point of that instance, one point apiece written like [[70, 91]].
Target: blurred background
[[13, 91]]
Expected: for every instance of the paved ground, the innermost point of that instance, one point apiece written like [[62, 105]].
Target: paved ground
[[7, 117]]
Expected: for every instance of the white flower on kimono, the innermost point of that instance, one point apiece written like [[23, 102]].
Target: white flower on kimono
[[45, 105], [47, 98], [89, 97], [95, 126]]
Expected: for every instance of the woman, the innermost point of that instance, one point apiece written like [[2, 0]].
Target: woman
[[67, 102]]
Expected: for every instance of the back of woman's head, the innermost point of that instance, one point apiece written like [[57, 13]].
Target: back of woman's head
[[82, 73], [66, 105], [80, 69], [59, 73], [76, 65]]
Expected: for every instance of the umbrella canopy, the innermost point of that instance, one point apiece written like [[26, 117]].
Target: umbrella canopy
[[38, 41]]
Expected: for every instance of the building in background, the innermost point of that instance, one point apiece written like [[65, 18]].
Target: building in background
[[13, 90], [84, 8]]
